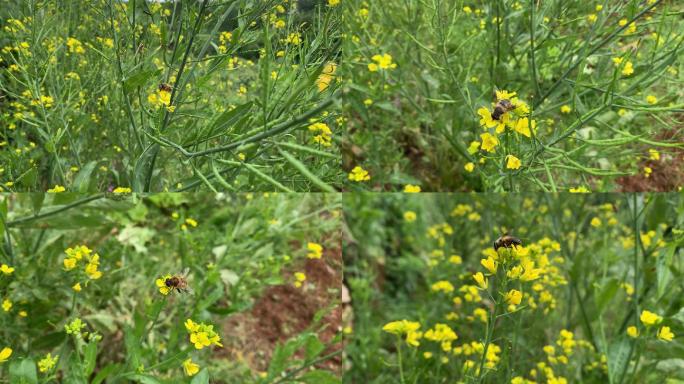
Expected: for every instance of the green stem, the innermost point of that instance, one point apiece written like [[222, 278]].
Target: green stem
[[154, 322], [401, 367], [27, 219]]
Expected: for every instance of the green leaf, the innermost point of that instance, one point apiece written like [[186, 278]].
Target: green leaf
[[37, 201], [50, 340], [322, 185], [105, 373], [608, 291], [144, 379], [201, 378], [663, 273], [142, 168], [23, 372], [139, 78], [28, 178], [228, 118], [313, 347], [281, 355], [89, 358], [82, 180], [319, 377], [618, 358]]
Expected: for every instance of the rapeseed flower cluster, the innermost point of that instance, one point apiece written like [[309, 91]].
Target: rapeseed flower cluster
[[406, 328], [323, 133], [81, 254], [202, 335], [359, 174], [315, 250]]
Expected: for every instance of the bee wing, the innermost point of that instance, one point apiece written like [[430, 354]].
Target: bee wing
[[185, 272]]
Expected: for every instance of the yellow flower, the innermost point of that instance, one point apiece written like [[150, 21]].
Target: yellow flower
[[6, 269], [595, 222], [315, 250], [412, 338], [190, 368], [480, 280], [530, 273], [628, 69], [202, 335], [522, 126], [651, 99], [665, 334], [469, 167], [47, 363], [333, 3], [326, 77], [359, 174], [412, 188], [405, 327], [504, 94], [191, 222], [294, 38], [632, 331], [409, 216], [566, 109], [514, 297], [649, 318], [56, 189], [74, 327], [489, 142], [654, 154], [490, 264], [6, 305], [91, 267], [442, 286], [487, 121], [648, 171], [121, 190], [300, 278], [401, 327], [77, 287], [512, 162], [191, 326], [69, 263], [161, 284], [580, 189], [5, 354], [383, 61]]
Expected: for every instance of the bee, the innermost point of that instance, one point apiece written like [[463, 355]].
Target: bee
[[502, 106], [165, 87], [178, 282], [506, 241]]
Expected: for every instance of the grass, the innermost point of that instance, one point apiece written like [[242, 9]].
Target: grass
[[132, 331], [596, 88], [597, 263]]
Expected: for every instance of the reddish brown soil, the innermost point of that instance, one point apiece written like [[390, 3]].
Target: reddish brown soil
[[668, 172], [283, 311]]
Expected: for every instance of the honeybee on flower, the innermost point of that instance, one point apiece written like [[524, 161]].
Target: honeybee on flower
[[507, 111]]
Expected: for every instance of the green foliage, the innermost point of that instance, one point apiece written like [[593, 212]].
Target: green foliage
[[601, 81], [175, 95], [234, 246], [602, 259]]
